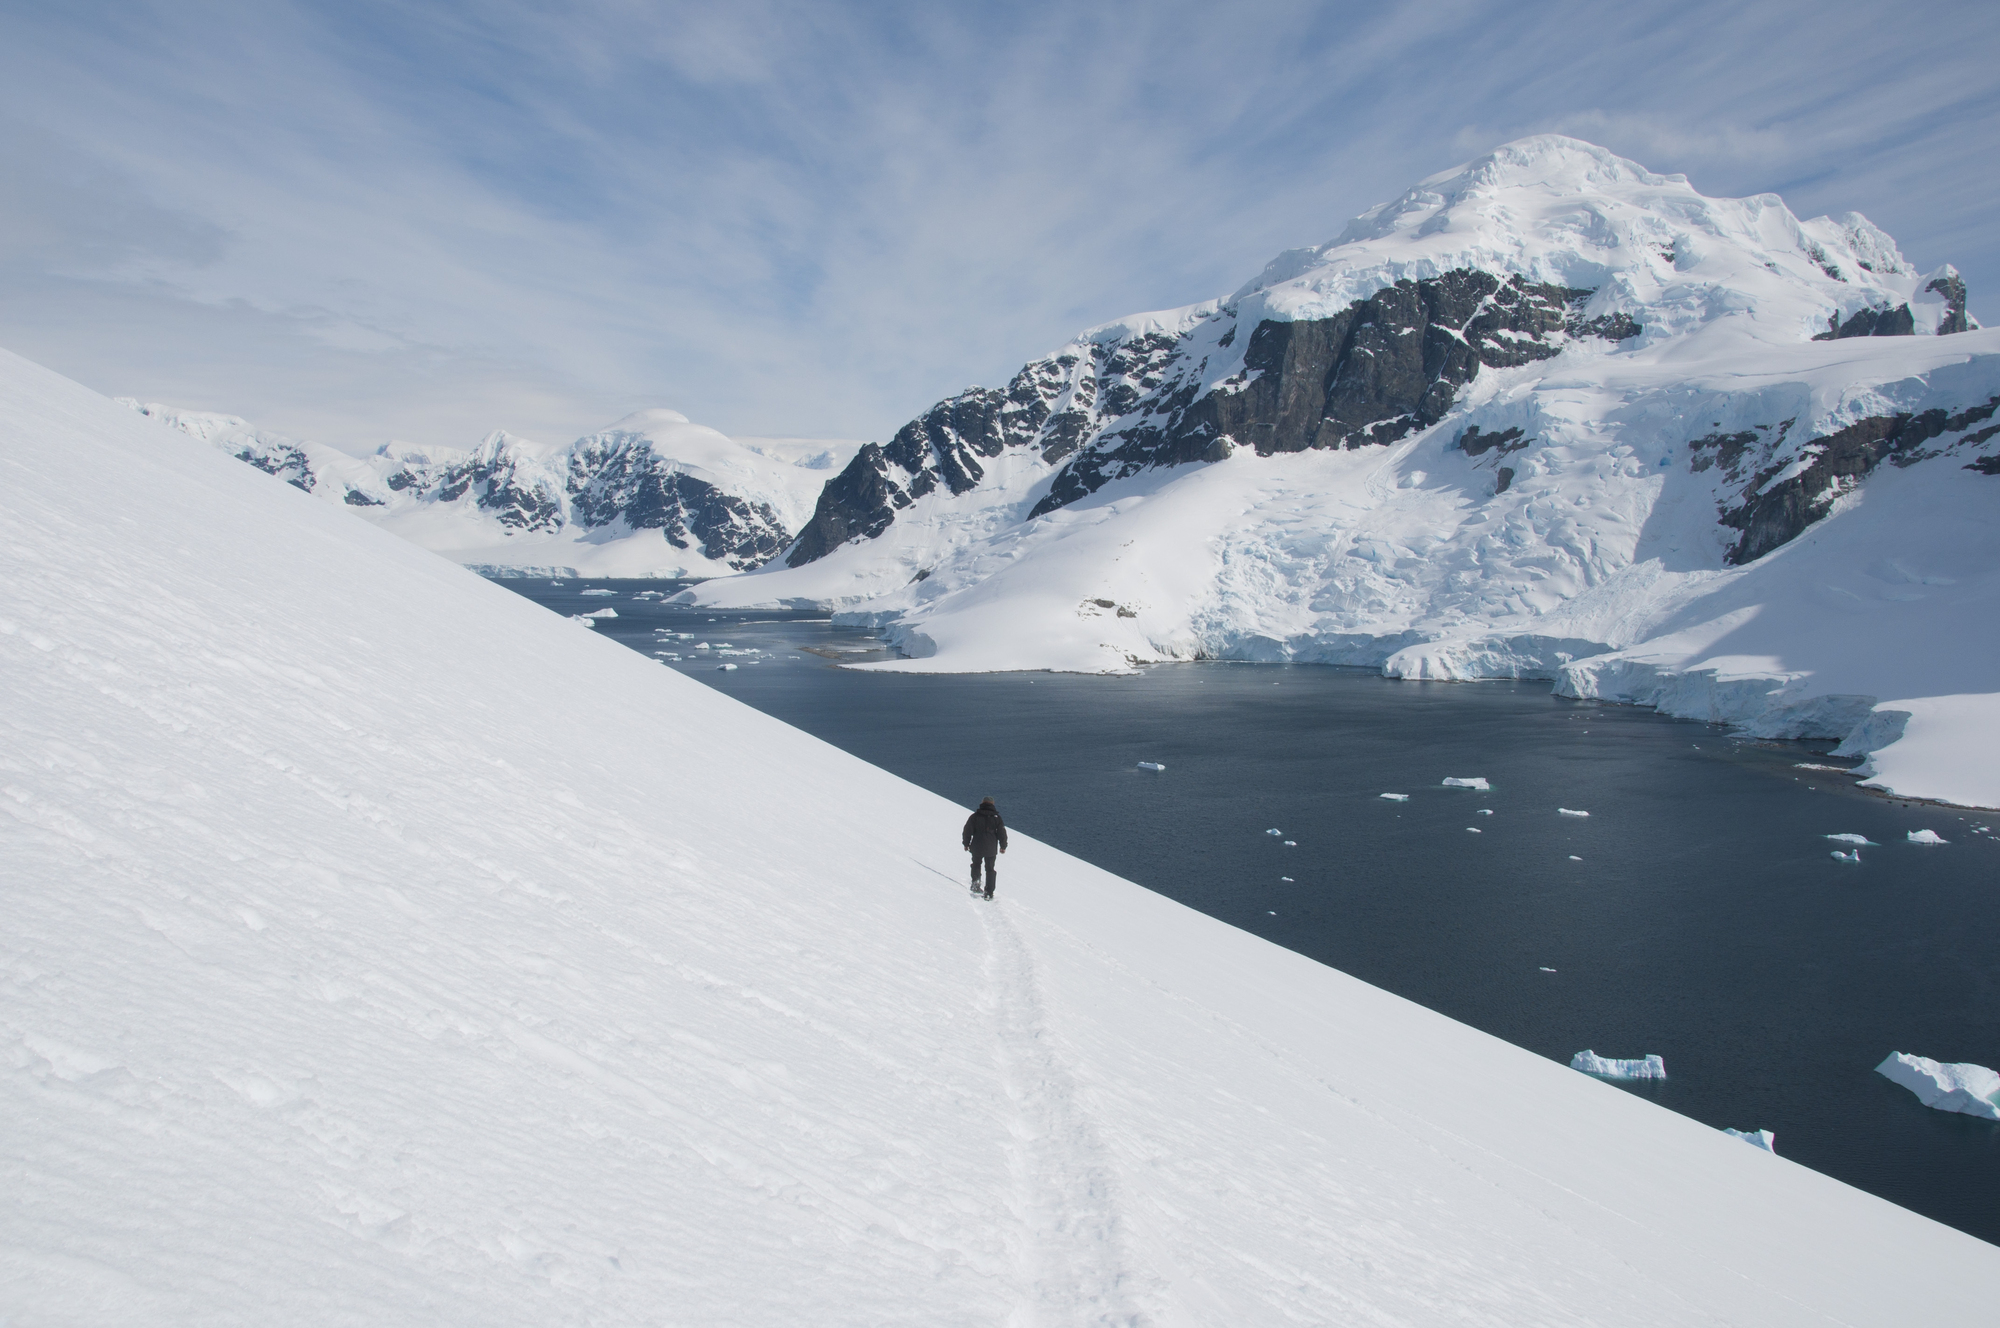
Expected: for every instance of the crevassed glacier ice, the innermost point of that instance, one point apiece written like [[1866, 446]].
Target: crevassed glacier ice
[[1963, 1087], [1652, 1067]]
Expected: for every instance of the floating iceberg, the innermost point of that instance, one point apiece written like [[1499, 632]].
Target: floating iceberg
[[1274, 832], [1971, 1089], [1547, 969], [1763, 1139], [1289, 879], [594, 592], [725, 668], [1925, 837], [1397, 797], [1291, 843], [1151, 765], [1852, 839], [1473, 830], [1476, 782], [1565, 811], [1652, 1067], [1484, 811], [1854, 856]]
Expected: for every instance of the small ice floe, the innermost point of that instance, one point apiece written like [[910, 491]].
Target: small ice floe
[[703, 645], [1291, 843], [1473, 830], [1484, 811], [1279, 833], [1397, 797], [1853, 855], [1151, 765], [1288, 880], [1570, 811], [1763, 1139], [596, 592], [1574, 858], [1925, 837], [1652, 1067], [1830, 769], [1853, 839], [725, 668], [1547, 969], [1477, 782], [1971, 1089]]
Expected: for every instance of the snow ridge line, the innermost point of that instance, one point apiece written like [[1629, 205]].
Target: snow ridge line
[[1071, 1255]]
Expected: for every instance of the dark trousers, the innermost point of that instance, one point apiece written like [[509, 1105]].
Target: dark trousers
[[982, 853]]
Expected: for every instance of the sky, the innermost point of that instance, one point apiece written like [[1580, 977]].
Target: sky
[[357, 220]]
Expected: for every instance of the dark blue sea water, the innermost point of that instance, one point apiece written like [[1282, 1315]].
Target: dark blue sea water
[[1701, 916]]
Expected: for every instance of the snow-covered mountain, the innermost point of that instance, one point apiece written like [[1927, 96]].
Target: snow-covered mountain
[[1548, 415], [652, 495], [384, 950]]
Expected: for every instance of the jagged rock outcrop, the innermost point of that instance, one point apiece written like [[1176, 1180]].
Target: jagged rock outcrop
[[654, 479], [619, 476], [1048, 410], [1773, 516]]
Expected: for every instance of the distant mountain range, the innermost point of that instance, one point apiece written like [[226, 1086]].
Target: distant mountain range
[[650, 496]]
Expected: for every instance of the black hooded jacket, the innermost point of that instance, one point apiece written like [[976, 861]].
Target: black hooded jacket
[[984, 830]]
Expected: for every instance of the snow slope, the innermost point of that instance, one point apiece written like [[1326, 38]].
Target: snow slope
[[1665, 464], [653, 495], [383, 949]]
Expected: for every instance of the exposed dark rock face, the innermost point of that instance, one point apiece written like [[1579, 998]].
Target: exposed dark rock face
[[1053, 405], [619, 477], [1770, 517], [356, 498], [491, 477], [1876, 322], [1504, 479], [1371, 374], [1952, 287], [1986, 465], [287, 462], [1474, 443]]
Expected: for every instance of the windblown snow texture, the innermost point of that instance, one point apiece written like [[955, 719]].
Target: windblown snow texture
[[384, 950], [1547, 415], [652, 495]]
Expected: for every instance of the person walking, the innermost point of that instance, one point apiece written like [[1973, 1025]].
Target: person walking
[[985, 834]]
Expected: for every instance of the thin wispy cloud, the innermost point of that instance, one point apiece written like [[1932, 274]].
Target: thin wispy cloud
[[362, 220]]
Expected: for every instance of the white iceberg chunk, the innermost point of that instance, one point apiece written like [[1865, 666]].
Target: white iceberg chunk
[[1397, 797], [1971, 1089], [1275, 832], [1565, 811], [1291, 843], [1546, 969], [1852, 839], [1484, 811], [1289, 879], [1854, 856], [725, 668], [1476, 782], [1925, 837], [1763, 1139], [1652, 1067], [1473, 830], [1151, 765], [594, 592], [600, 613]]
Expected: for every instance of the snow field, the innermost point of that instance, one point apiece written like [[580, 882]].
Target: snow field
[[384, 951]]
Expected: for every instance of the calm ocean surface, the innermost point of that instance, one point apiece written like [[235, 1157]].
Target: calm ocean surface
[[1702, 916]]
